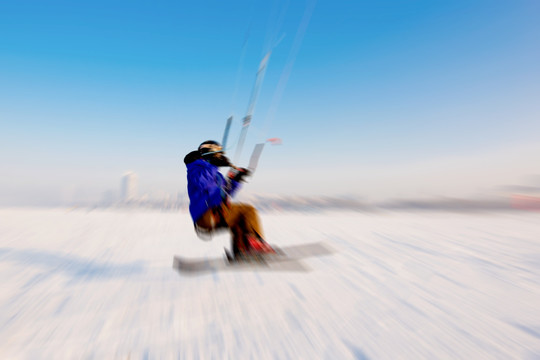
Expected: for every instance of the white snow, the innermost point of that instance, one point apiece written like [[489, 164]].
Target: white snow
[[100, 285]]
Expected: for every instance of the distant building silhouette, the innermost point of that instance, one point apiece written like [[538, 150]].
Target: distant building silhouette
[[129, 186]]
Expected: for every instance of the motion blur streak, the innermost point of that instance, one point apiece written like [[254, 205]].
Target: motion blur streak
[[409, 285]]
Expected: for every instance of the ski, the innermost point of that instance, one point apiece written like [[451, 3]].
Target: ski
[[288, 258]]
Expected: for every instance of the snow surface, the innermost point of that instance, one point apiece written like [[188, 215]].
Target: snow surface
[[100, 285]]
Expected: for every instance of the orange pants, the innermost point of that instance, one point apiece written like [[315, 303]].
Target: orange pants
[[241, 219]]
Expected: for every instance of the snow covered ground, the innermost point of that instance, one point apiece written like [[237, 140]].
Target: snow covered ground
[[100, 285]]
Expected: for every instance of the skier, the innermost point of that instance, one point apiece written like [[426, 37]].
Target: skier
[[210, 205]]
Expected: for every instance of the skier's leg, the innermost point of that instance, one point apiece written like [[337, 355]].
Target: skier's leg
[[207, 221], [237, 240], [234, 217], [255, 236], [252, 223], [230, 216], [246, 228]]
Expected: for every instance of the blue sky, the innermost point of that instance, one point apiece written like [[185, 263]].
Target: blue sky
[[384, 99]]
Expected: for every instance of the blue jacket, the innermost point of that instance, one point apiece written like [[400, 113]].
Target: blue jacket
[[207, 188]]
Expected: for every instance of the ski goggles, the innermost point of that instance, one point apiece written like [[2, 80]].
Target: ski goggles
[[209, 149]]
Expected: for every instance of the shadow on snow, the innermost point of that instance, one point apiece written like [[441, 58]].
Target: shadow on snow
[[76, 267]]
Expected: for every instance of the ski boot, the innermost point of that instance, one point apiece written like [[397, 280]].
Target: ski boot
[[259, 246], [252, 248]]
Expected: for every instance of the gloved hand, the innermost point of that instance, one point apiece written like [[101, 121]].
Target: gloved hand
[[238, 174]]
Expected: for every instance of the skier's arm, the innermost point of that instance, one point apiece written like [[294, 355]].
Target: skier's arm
[[235, 177], [231, 187]]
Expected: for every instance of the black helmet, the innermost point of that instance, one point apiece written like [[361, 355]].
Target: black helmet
[[210, 147]]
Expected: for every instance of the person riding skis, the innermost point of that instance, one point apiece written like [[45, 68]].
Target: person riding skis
[[210, 205]]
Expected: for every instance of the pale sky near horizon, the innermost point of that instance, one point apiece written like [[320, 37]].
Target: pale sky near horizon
[[385, 99]]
